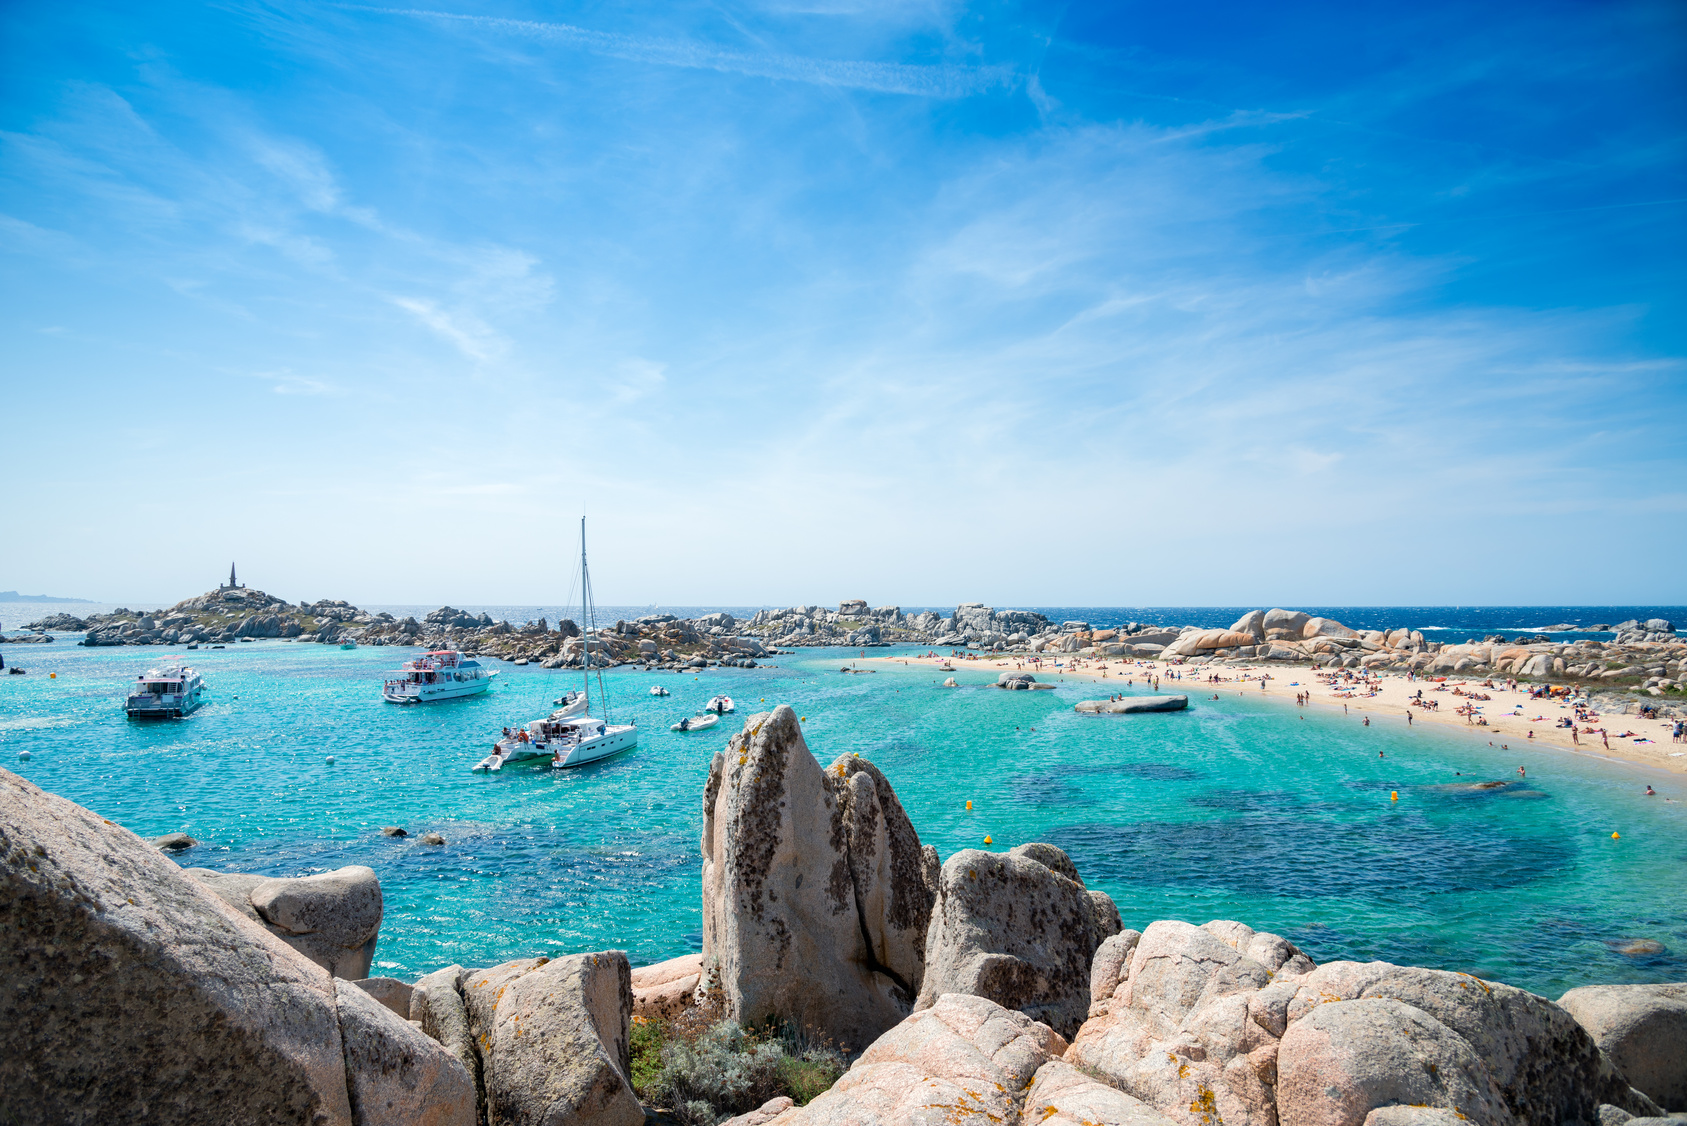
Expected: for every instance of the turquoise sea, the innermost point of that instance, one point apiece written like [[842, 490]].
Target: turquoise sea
[[1237, 808]]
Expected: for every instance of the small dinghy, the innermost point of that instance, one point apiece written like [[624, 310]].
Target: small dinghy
[[569, 703], [720, 705], [660, 691], [696, 722]]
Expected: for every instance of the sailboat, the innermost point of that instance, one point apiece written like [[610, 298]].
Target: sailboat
[[572, 736]]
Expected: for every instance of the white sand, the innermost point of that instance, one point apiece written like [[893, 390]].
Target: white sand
[[1511, 716]]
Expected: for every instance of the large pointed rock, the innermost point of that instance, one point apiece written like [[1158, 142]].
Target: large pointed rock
[[816, 892], [1018, 928]]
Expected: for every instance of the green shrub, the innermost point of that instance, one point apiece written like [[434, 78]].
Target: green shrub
[[646, 1042], [711, 1074]]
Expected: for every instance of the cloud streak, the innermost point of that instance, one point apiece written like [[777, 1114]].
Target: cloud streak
[[941, 81]]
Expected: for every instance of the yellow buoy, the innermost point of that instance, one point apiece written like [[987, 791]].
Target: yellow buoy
[[52, 676], [1394, 795], [987, 839], [803, 718], [969, 803], [1616, 836]]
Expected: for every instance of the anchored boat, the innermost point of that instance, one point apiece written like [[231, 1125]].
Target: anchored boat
[[442, 674], [571, 736], [170, 691], [697, 722], [720, 705]]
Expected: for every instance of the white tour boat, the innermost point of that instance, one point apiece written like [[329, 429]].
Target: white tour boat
[[720, 705], [697, 722], [660, 691], [442, 674], [165, 692]]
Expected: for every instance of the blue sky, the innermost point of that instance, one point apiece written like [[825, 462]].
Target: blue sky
[[1127, 305]]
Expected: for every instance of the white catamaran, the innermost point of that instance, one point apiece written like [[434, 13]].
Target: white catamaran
[[570, 736]]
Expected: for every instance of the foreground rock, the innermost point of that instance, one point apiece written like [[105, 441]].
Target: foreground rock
[[334, 918], [1220, 1021], [1130, 705], [1643, 1028], [816, 890], [662, 991], [133, 994], [554, 1040], [1019, 929], [968, 1061]]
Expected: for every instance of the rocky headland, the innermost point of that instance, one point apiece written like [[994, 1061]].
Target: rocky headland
[[985, 988], [1642, 657]]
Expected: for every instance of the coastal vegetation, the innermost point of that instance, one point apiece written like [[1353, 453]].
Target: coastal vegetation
[[704, 1070]]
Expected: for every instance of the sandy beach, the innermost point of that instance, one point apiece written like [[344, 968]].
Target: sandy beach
[[1514, 720]]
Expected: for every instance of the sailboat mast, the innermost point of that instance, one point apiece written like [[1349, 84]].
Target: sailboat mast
[[585, 623]]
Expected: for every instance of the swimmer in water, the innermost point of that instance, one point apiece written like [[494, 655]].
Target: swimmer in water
[[1651, 793]]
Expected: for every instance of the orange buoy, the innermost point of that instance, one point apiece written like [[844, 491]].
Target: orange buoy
[[52, 676], [1394, 795], [987, 839], [969, 803], [1615, 836]]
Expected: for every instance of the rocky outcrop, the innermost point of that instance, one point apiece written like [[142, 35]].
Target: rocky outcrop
[[1131, 705], [333, 918], [816, 890], [436, 1003], [395, 1074], [389, 991], [1643, 1028], [1222, 1022], [553, 1037], [132, 993], [1019, 929], [964, 1060], [1061, 1095], [662, 991]]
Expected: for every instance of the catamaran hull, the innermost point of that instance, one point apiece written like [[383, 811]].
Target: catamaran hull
[[433, 693], [611, 742]]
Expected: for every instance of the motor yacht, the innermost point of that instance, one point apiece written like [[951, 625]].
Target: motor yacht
[[166, 692], [441, 674]]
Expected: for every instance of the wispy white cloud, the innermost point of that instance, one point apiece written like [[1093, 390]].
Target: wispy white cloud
[[472, 336], [938, 81]]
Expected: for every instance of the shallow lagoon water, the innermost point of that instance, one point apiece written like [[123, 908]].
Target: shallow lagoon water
[[1237, 808]]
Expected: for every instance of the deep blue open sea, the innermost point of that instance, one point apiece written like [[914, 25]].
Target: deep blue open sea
[[1236, 808]]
